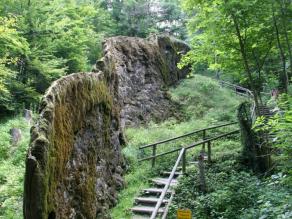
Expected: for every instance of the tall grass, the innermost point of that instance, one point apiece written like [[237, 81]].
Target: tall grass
[[12, 166]]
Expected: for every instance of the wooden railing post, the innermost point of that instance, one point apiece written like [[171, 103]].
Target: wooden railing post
[[184, 161], [154, 154], [202, 173], [204, 138], [209, 151]]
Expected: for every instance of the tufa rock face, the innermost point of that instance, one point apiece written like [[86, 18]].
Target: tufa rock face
[[145, 68], [74, 164]]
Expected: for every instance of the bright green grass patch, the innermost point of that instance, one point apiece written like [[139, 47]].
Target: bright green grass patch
[[12, 168]]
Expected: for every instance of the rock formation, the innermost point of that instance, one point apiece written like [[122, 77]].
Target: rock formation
[[74, 165], [27, 114], [145, 68], [15, 135]]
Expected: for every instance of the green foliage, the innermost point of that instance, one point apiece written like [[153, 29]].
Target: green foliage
[[12, 159], [11, 46], [239, 40], [232, 191], [143, 17], [44, 40], [280, 125], [202, 97]]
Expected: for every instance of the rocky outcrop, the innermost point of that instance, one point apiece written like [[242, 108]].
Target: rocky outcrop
[[145, 68], [74, 165]]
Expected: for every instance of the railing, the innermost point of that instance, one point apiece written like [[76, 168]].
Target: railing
[[154, 145], [181, 157], [243, 92], [203, 142], [167, 185], [237, 89]]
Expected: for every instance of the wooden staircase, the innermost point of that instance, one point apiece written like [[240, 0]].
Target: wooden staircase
[[144, 205], [154, 202]]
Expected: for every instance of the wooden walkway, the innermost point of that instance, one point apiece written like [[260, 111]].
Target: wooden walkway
[[154, 202]]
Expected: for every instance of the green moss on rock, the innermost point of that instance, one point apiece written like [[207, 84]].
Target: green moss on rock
[[53, 152]]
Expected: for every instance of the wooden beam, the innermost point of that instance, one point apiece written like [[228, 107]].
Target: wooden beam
[[186, 135], [191, 146]]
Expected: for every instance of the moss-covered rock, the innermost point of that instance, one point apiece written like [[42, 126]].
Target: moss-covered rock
[[74, 157]]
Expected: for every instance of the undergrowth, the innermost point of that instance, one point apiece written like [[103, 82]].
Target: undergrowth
[[12, 167], [232, 190]]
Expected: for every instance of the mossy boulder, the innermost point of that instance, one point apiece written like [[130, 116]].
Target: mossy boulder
[[74, 164]]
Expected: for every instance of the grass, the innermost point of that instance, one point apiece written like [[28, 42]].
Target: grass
[[12, 167], [136, 181], [203, 103]]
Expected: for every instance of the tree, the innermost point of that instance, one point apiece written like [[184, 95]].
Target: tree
[[143, 17], [12, 45], [234, 37], [62, 37]]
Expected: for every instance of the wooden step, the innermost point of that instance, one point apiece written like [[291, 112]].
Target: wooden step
[[145, 210], [163, 181], [149, 200], [154, 190], [168, 173]]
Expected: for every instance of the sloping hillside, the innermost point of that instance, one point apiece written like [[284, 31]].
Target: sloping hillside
[[203, 103]]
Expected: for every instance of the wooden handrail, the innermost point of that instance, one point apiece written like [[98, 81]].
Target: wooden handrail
[[164, 191], [186, 135], [250, 95], [249, 92], [190, 146]]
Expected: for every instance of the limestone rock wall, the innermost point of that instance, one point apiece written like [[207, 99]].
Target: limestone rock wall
[[74, 164]]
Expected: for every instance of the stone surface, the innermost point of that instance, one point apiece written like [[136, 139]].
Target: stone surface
[[145, 68], [74, 165], [16, 135], [27, 114]]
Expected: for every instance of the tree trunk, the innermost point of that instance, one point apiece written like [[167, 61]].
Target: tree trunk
[[283, 13], [283, 78], [245, 61]]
